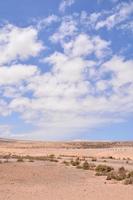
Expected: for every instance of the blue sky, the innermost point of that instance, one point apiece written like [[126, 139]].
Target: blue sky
[[66, 69]]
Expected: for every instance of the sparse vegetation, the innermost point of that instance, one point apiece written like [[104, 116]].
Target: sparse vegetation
[[111, 157], [79, 167], [52, 156], [128, 181], [75, 162], [20, 160], [117, 175], [103, 170], [66, 163], [86, 165], [130, 174], [31, 160], [94, 159]]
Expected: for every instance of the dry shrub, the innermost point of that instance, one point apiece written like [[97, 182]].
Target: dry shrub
[[79, 167], [117, 175], [103, 170], [20, 160], [92, 166], [31, 160], [120, 175], [52, 156], [128, 181], [66, 163], [130, 174], [75, 162], [94, 159], [111, 157], [86, 165]]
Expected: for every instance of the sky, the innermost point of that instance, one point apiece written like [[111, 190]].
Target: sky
[[66, 69]]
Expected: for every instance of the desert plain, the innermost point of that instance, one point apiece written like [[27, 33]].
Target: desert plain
[[66, 170]]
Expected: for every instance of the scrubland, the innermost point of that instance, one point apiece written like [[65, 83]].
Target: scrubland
[[66, 170]]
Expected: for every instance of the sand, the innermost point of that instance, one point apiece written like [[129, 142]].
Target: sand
[[44, 180]]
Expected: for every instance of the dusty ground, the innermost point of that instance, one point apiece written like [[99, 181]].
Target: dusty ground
[[41, 180]]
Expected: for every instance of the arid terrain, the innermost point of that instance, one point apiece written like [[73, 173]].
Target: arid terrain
[[66, 170]]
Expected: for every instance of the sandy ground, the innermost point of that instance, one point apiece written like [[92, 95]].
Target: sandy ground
[[44, 180], [51, 181], [39, 149]]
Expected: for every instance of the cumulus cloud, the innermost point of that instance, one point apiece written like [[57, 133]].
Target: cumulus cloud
[[73, 95], [72, 40], [60, 102], [80, 85], [68, 103], [18, 43], [67, 28], [16, 73], [122, 71]]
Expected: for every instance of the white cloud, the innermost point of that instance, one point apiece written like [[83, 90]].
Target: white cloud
[[72, 39], [16, 73], [46, 22], [78, 92], [64, 100], [18, 43], [67, 28], [120, 14], [122, 71], [75, 47], [64, 4], [67, 69], [70, 103], [91, 45]]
